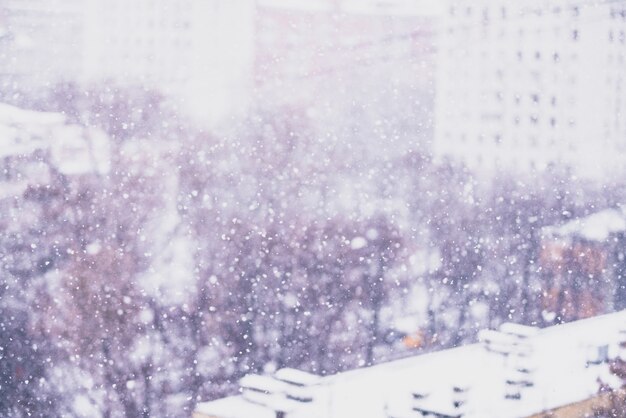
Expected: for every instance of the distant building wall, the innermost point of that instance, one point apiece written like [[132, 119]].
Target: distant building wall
[[212, 57], [364, 71], [40, 42], [530, 84], [198, 52]]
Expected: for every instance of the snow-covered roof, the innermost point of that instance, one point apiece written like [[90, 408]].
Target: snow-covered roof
[[234, 407], [596, 227], [521, 331], [559, 361], [74, 148], [15, 115], [297, 377], [261, 383]]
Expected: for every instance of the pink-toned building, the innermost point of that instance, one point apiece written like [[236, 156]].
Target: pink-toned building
[[362, 71], [216, 57], [299, 43]]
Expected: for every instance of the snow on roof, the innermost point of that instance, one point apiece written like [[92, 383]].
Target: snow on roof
[[74, 148], [521, 331], [273, 402], [15, 115], [560, 374], [234, 407], [297, 377], [596, 227], [262, 383]]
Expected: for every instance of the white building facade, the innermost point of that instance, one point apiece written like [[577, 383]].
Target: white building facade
[[198, 53], [212, 57], [40, 42], [532, 84]]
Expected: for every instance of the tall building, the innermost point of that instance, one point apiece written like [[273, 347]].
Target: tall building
[[297, 40], [533, 84], [196, 51], [362, 70], [40, 42]]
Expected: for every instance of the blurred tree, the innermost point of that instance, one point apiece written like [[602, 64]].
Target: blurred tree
[[24, 356]]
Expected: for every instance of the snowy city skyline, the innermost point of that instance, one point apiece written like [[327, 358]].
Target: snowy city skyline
[[297, 209]]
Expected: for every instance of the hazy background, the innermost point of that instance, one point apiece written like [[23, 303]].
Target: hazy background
[[195, 190]]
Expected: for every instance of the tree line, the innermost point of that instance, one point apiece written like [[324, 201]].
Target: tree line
[[296, 248]]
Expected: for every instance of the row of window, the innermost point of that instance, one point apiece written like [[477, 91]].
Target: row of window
[[497, 139], [464, 32], [534, 120], [503, 13]]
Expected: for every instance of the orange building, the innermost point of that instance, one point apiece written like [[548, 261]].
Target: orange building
[[578, 263]]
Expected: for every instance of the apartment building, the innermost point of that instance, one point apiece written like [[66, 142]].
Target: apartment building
[[363, 71], [528, 85], [215, 57], [299, 40], [196, 51], [40, 41]]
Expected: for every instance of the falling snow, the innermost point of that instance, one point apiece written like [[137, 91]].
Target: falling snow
[[321, 208]]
